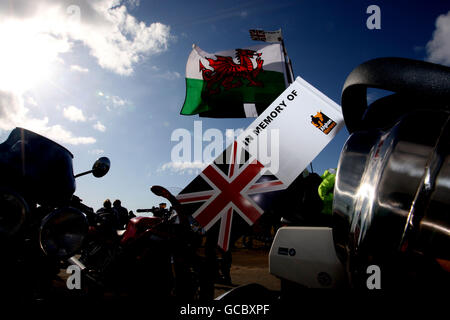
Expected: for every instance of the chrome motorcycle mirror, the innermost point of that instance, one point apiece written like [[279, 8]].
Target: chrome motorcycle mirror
[[99, 169]]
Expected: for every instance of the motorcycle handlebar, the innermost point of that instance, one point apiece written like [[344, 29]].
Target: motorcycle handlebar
[[145, 210], [76, 203]]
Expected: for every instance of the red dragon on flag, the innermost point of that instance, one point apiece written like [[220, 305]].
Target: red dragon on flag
[[222, 189], [225, 72]]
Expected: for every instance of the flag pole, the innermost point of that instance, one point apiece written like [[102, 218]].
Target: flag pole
[[289, 72], [287, 61]]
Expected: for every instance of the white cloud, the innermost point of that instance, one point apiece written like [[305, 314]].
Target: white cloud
[[60, 60], [183, 167], [114, 102], [12, 110], [74, 114], [13, 114], [132, 4], [116, 39], [97, 151], [78, 68], [170, 75], [99, 126], [122, 40], [118, 101], [31, 101], [438, 48], [58, 133]]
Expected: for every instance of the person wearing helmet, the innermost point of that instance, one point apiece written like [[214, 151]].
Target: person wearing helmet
[[161, 211]]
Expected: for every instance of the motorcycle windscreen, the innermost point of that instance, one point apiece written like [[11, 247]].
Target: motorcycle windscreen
[[36, 166]]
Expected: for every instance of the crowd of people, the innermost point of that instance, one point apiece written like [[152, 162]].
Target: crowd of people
[[117, 215]]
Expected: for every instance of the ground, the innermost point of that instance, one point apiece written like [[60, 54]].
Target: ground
[[250, 266]]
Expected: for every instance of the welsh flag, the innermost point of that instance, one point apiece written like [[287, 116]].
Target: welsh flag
[[236, 83]]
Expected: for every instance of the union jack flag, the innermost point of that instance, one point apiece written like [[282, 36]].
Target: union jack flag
[[258, 35], [266, 36], [239, 185]]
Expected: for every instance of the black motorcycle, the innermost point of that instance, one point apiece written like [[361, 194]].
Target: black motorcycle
[[41, 222], [155, 258]]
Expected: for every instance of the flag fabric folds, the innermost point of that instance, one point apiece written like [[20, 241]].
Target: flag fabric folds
[[234, 83]]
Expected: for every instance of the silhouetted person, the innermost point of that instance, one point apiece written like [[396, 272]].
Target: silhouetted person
[[161, 211], [108, 216], [122, 214]]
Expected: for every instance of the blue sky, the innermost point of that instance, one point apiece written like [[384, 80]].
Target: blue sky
[[106, 78]]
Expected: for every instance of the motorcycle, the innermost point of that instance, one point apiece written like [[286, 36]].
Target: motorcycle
[[390, 213], [40, 224], [155, 257]]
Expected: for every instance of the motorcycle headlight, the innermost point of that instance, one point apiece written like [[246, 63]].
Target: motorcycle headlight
[[62, 232], [13, 211]]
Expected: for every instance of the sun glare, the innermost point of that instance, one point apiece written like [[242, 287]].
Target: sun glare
[[27, 54]]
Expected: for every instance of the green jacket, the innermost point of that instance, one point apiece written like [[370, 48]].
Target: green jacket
[[325, 190]]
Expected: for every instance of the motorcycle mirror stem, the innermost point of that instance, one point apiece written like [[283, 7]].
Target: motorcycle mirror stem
[[99, 169]]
